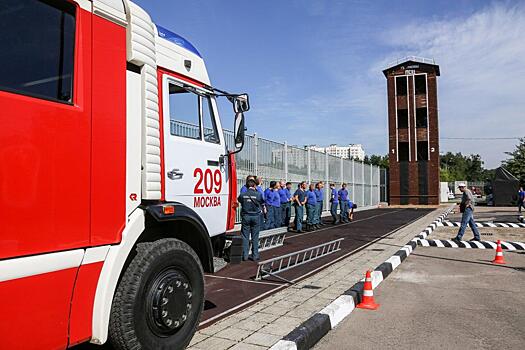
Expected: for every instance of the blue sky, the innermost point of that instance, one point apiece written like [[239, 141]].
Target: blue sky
[[313, 68]]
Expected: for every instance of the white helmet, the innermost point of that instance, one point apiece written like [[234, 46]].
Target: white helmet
[[462, 184]]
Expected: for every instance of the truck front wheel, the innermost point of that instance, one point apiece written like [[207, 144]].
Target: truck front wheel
[[159, 299]]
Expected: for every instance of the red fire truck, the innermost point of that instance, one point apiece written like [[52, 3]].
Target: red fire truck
[[116, 186]]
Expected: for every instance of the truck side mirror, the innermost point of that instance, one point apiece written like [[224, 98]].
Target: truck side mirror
[[241, 103], [238, 133]]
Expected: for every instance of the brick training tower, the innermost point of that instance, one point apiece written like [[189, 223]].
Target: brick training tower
[[413, 130]]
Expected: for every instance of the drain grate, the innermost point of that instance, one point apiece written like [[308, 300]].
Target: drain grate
[[376, 250], [486, 234]]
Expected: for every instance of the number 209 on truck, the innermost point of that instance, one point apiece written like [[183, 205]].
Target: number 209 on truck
[[116, 184]]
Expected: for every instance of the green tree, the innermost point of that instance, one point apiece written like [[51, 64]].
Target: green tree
[[381, 161], [516, 163], [457, 167]]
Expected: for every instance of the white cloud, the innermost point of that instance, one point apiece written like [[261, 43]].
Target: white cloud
[[482, 87]]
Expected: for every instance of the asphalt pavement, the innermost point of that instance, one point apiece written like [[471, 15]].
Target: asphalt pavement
[[442, 298]]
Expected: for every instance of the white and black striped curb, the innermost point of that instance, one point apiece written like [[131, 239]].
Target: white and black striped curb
[[446, 243], [484, 224], [306, 335], [312, 330], [426, 232]]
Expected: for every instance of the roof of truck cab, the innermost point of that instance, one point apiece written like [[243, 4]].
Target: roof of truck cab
[[175, 53], [177, 40]]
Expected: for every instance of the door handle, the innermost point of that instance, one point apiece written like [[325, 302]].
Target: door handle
[[175, 174]]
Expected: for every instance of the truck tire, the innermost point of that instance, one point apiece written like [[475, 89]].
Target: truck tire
[[159, 299]]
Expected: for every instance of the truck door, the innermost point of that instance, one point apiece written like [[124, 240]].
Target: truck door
[[45, 164], [193, 145], [45, 133]]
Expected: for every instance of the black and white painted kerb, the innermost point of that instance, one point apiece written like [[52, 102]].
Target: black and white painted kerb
[[436, 223], [312, 330], [445, 243], [484, 224]]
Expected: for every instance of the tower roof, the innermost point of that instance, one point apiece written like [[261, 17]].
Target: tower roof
[[412, 60]]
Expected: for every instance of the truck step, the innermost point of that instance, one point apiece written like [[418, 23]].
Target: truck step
[[272, 267]]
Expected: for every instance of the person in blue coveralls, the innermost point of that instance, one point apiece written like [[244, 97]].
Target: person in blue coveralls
[[258, 183], [334, 203], [351, 207], [299, 201], [286, 203], [311, 209], [343, 200], [251, 202], [521, 199], [320, 202], [244, 187], [268, 201], [276, 203]]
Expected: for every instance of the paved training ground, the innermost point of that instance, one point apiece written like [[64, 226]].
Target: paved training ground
[[313, 329], [488, 220], [439, 299], [263, 324], [233, 288], [277, 307]]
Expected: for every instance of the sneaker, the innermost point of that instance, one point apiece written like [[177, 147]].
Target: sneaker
[[475, 239], [455, 240]]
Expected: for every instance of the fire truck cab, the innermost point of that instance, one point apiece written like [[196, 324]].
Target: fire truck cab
[[116, 185]]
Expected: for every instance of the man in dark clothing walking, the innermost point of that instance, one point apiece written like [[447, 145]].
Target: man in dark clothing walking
[[251, 203], [467, 208]]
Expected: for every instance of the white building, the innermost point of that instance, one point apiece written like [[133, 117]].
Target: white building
[[354, 151]]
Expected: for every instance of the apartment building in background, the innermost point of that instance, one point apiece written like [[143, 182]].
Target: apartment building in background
[[352, 151]]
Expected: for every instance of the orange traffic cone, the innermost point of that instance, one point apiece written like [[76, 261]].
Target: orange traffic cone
[[367, 301], [499, 255]]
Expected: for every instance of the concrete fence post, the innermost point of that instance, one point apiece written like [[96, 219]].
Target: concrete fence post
[[342, 171], [285, 157], [309, 163], [256, 148], [353, 181], [327, 182], [378, 185], [363, 181], [371, 185]]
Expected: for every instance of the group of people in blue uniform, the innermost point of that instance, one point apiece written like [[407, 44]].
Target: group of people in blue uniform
[[272, 208]]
